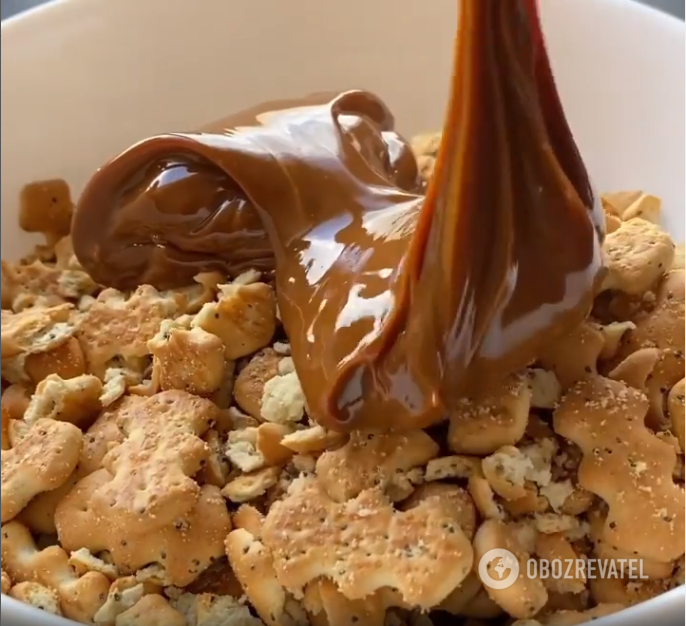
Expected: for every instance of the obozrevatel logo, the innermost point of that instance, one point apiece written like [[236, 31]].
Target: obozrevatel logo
[[498, 569]]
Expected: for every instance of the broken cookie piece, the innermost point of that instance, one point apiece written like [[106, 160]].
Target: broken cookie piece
[[483, 426], [283, 401], [80, 597], [637, 254], [527, 594], [372, 459], [65, 361], [190, 360], [311, 535], [249, 386], [244, 317], [42, 461], [626, 465], [151, 469], [207, 609], [37, 595], [150, 610], [250, 486], [184, 547], [253, 565], [117, 325], [36, 330], [76, 400]]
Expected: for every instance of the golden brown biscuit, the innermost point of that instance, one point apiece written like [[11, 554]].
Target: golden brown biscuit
[[249, 385], [625, 592], [645, 206], [575, 356], [627, 466], [464, 511], [636, 369], [637, 254], [76, 400], [211, 610], [668, 371], [6, 581], [675, 406], [617, 202], [244, 317], [481, 427], [253, 565], [679, 262], [662, 327], [484, 497], [35, 284], [35, 330], [557, 493], [268, 443], [372, 459], [251, 486], [5, 424], [425, 148], [105, 433], [462, 596], [184, 546], [190, 360], [65, 361], [42, 461], [341, 611], [613, 335], [83, 562], [455, 466], [556, 546], [283, 400], [203, 290], [604, 550], [123, 594], [39, 514], [241, 450], [527, 595], [46, 207], [313, 440], [546, 389], [216, 470], [16, 399], [513, 473], [250, 519], [152, 469], [612, 223], [38, 596], [80, 596], [150, 610], [120, 326], [310, 535]]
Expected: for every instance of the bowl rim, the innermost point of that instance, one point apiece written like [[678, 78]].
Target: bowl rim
[[42, 10]]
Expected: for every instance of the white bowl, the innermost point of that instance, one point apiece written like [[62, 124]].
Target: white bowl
[[82, 79]]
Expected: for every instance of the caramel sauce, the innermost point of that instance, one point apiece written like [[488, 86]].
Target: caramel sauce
[[396, 303]]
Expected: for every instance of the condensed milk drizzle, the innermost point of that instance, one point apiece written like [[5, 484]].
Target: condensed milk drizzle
[[396, 302]]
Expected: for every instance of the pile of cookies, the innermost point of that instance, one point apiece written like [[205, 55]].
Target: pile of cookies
[[159, 465]]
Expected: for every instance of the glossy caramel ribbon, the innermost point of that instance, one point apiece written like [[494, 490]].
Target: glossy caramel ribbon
[[395, 304]]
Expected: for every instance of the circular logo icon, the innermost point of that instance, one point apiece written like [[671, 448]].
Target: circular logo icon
[[498, 569]]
